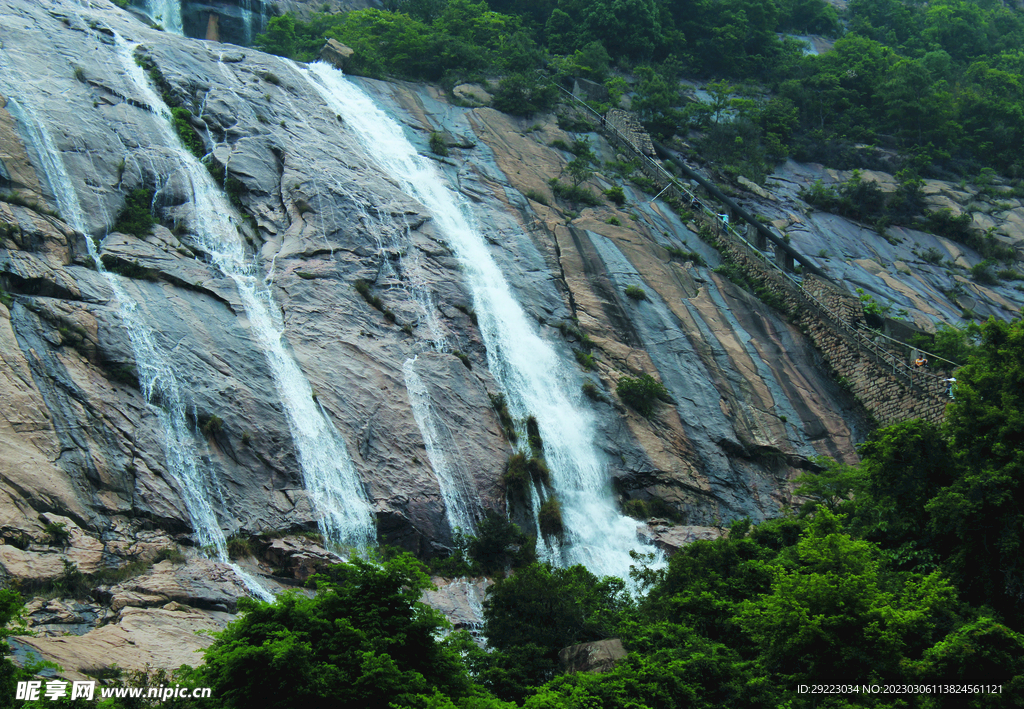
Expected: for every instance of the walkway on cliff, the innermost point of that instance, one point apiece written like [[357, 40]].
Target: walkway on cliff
[[873, 366]]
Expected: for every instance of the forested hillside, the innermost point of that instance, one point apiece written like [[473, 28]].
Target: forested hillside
[[940, 81]]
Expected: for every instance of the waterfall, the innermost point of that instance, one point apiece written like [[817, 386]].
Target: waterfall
[[443, 450], [251, 20], [334, 487], [167, 14], [534, 379], [157, 379]]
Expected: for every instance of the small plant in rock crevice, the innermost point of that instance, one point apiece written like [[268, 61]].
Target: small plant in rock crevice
[[549, 517], [58, 533], [635, 292], [438, 145]]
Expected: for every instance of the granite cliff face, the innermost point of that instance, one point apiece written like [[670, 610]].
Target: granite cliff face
[[90, 472]]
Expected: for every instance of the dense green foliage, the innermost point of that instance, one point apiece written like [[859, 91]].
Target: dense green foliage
[[363, 640], [940, 81]]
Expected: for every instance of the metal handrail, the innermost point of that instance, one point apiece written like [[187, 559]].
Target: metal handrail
[[922, 351], [899, 367]]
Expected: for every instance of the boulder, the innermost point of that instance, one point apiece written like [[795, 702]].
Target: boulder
[[298, 557], [336, 53], [472, 94], [672, 537], [201, 583], [461, 601]]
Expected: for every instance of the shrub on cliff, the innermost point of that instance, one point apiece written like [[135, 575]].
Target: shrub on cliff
[[641, 393], [136, 217]]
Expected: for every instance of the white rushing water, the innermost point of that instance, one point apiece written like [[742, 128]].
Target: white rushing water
[[334, 487], [157, 380], [535, 380]]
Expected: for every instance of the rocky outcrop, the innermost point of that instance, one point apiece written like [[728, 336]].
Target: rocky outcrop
[[670, 538], [336, 54], [297, 557], [598, 656], [142, 638], [461, 600]]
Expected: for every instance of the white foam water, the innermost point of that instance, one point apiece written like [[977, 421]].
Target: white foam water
[[344, 513], [534, 379]]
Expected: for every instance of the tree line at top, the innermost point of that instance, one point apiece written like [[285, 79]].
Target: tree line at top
[[940, 81]]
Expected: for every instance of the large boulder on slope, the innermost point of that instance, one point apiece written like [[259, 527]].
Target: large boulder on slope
[[336, 53]]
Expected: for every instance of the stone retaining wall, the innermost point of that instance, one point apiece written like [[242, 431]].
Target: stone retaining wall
[[891, 392]]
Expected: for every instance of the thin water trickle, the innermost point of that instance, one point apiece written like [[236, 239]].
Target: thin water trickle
[[534, 379], [456, 484], [167, 14]]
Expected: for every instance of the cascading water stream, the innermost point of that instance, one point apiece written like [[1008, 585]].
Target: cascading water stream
[[336, 492], [167, 14], [454, 482], [157, 379], [443, 451], [535, 380]]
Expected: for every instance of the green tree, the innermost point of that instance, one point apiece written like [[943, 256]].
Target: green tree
[[657, 96], [363, 640], [499, 544], [532, 615], [982, 651], [834, 613], [11, 606], [552, 608], [904, 466], [831, 487], [981, 509]]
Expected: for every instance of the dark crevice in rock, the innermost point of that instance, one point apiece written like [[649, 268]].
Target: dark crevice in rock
[[40, 287]]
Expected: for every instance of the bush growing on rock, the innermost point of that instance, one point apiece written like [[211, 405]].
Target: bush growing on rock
[[438, 145], [136, 217], [641, 393], [636, 293], [499, 544], [616, 195], [58, 533], [549, 517]]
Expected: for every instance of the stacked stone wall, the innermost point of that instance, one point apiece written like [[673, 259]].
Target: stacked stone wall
[[888, 388]]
